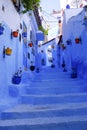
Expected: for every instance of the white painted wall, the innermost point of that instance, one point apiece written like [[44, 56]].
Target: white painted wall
[[9, 15]]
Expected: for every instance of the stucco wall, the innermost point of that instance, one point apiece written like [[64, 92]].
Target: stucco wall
[[76, 53], [11, 20], [9, 15]]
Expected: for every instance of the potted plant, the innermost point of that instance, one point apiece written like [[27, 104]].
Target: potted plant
[[63, 46], [77, 40], [30, 4], [68, 42], [15, 33], [16, 79], [52, 46], [8, 51], [30, 44], [24, 34], [32, 67]]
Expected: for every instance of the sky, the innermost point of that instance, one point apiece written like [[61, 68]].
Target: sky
[[49, 5]]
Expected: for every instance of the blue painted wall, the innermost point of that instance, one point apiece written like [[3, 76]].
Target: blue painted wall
[[76, 54], [9, 64]]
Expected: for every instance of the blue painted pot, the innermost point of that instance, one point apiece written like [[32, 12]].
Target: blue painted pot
[[32, 68], [73, 75], [16, 79], [1, 30], [68, 42], [67, 6], [24, 34]]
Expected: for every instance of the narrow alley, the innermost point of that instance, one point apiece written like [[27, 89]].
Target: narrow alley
[[43, 65]]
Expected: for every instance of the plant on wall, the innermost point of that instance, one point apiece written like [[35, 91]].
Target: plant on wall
[[45, 31], [33, 5], [30, 4]]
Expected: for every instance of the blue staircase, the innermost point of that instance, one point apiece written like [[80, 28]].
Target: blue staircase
[[51, 101]]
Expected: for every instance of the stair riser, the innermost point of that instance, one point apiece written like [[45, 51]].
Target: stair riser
[[51, 100], [44, 113], [56, 80], [55, 90]]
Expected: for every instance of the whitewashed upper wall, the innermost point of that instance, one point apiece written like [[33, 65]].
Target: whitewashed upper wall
[[71, 12], [9, 15], [69, 23]]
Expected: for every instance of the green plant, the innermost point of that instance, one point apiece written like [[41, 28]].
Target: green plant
[[30, 4], [43, 30]]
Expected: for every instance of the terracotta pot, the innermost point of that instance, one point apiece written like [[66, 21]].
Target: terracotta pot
[[15, 33], [30, 44], [77, 40]]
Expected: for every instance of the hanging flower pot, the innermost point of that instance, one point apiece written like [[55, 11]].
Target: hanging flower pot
[[1, 30], [30, 44], [15, 33], [52, 46], [16, 79], [24, 34], [68, 42], [32, 68], [63, 46], [42, 51], [77, 40], [39, 45], [67, 6], [8, 51]]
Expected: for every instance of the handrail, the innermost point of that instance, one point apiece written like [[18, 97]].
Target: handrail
[[48, 41]]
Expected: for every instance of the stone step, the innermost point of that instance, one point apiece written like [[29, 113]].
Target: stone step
[[51, 83], [58, 79], [8, 102], [52, 99], [51, 76], [54, 123], [35, 111], [55, 89]]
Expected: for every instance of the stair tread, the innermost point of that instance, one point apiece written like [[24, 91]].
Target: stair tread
[[33, 108], [56, 95], [43, 121]]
